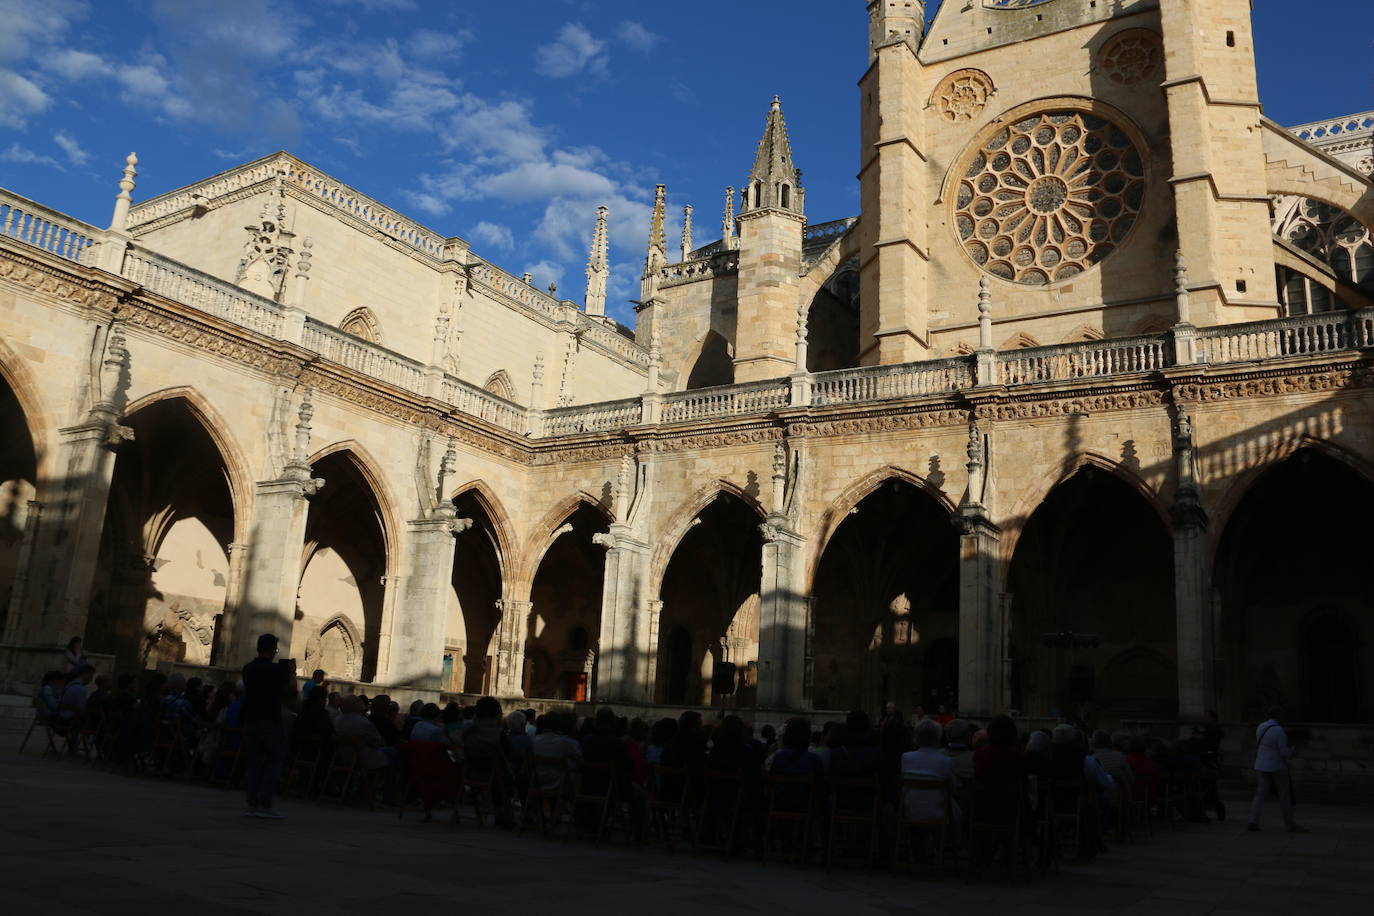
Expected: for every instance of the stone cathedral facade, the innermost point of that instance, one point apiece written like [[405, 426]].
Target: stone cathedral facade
[[1074, 416]]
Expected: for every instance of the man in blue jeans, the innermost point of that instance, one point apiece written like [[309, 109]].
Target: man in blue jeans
[[1272, 753], [264, 741]]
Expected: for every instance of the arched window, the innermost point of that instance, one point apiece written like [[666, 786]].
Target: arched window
[[786, 196], [362, 323], [499, 384], [758, 194]]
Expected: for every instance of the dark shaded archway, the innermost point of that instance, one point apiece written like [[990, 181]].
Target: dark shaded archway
[[1292, 574], [343, 566], [1092, 612], [565, 612], [710, 596], [886, 599], [832, 321], [18, 486], [164, 556], [477, 564]]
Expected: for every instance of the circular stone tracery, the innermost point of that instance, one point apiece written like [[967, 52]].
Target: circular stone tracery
[[1048, 197], [1131, 56]]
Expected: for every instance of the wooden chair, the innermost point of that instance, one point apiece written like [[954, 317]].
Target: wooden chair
[[1073, 815], [481, 784], [226, 763], [594, 798], [305, 769], [346, 771], [548, 794], [39, 721], [940, 827], [670, 804], [1044, 825], [997, 813], [791, 807], [855, 803], [722, 796]]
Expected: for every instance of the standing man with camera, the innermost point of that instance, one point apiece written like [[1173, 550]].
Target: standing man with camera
[[264, 741]]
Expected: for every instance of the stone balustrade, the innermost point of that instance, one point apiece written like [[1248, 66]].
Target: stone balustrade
[[1084, 359], [828, 230], [1323, 332], [212, 295], [35, 224], [726, 400], [478, 402], [877, 383], [589, 418], [712, 265], [1339, 127]]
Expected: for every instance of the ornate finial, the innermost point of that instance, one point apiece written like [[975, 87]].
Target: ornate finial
[[446, 466], [539, 366], [598, 267], [777, 103], [686, 231], [984, 314], [1180, 273], [779, 460], [120, 221], [655, 348], [527, 278], [303, 259], [623, 479], [553, 288], [975, 444], [656, 236], [779, 478], [727, 221]]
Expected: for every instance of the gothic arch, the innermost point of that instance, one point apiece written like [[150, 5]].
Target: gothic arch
[[1281, 451], [1083, 332], [239, 473], [1292, 168], [680, 522], [353, 645], [17, 375], [1015, 523], [500, 520], [854, 494], [371, 472], [541, 537], [499, 384], [362, 322], [1019, 341]]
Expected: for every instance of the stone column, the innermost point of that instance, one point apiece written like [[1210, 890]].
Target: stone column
[[1192, 581], [233, 597], [272, 563], [624, 643], [417, 631], [22, 565], [981, 624], [655, 614], [782, 618], [510, 654]]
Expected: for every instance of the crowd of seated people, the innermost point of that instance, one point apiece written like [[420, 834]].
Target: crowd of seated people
[[966, 773]]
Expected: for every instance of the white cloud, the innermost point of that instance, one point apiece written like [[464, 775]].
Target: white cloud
[[17, 153], [637, 36], [20, 98], [493, 234], [77, 65], [540, 180], [428, 43], [75, 154], [574, 51], [546, 272]]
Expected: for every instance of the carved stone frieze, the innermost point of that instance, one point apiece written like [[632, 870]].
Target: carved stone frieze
[[40, 278], [888, 422], [1316, 381], [1075, 404], [723, 439]]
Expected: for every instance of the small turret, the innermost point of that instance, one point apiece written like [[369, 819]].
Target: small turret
[[775, 181], [895, 20]]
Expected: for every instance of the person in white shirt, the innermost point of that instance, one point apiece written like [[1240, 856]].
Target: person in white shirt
[[1272, 754], [928, 762]]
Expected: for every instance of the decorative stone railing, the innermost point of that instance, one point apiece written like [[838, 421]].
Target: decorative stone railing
[[588, 418], [726, 400], [1321, 333], [1338, 127], [832, 229], [35, 224], [479, 402], [201, 291], [878, 383], [1087, 359], [363, 356], [713, 265]]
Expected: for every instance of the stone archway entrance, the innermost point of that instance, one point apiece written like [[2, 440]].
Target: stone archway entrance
[[18, 486], [565, 613]]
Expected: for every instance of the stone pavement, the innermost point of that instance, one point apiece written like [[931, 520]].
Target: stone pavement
[[76, 840]]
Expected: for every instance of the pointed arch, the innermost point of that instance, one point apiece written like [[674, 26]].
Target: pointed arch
[[496, 512], [541, 536], [680, 521], [17, 375], [371, 472], [1015, 523], [1279, 452], [1152, 324], [499, 384], [239, 473], [856, 493], [362, 322], [353, 645], [1083, 332], [1019, 341]]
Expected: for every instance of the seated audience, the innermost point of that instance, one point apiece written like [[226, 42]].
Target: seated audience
[[928, 762]]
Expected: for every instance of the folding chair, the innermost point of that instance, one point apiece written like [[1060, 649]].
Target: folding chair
[[997, 813], [855, 803], [305, 768], [226, 761], [346, 770], [591, 804], [940, 826], [482, 781], [722, 796], [791, 805], [669, 808], [39, 721], [431, 776], [1045, 825]]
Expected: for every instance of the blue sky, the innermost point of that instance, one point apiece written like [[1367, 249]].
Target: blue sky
[[504, 122]]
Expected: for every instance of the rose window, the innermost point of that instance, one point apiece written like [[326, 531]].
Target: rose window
[[1048, 197]]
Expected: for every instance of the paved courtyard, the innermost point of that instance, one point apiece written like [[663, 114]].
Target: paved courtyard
[[76, 840]]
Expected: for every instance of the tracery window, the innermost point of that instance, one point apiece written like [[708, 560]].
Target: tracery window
[[362, 323], [1330, 235], [1048, 197]]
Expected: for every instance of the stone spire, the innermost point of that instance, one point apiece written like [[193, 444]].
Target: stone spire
[[727, 221], [686, 231], [774, 182], [598, 268], [658, 248]]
